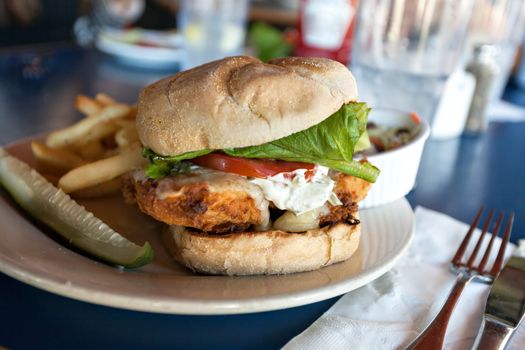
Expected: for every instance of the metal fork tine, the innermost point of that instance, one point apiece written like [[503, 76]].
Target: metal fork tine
[[434, 334], [495, 232], [461, 250], [486, 225], [506, 236]]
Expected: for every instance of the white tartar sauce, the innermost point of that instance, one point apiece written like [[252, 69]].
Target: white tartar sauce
[[292, 191]]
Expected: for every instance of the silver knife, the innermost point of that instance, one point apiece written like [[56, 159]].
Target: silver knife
[[505, 307]]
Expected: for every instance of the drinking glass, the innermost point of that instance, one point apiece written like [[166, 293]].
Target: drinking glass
[[212, 29], [404, 51]]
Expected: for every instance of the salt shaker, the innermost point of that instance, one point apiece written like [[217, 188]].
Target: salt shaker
[[485, 70]]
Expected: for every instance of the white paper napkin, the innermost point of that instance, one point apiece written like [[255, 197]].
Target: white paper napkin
[[392, 310]]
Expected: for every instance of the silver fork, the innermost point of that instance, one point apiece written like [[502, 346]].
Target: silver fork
[[433, 336]]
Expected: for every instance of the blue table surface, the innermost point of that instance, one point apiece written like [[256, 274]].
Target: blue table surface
[[37, 87]]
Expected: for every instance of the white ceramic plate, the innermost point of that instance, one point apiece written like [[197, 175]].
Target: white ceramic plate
[[162, 49], [31, 255]]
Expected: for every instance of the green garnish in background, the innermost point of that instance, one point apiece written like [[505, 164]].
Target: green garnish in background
[[268, 42]]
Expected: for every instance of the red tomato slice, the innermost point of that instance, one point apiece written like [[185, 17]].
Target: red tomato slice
[[249, 167]]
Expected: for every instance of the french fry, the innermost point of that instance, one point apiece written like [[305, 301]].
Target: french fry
[[126, 136], [107, 188], [95, 134], [89, 129], [104, 99], [111, 152], [102, 170], [95, 151], [92, 151], [56, 161], [87, 105], [124, 123]]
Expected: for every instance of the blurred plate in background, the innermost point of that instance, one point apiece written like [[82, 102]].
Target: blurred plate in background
[[140, 47]]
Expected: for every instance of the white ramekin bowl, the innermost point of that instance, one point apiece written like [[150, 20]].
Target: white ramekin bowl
[[398, 166]]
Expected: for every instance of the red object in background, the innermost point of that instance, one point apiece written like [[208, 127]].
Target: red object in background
[[326, 29]]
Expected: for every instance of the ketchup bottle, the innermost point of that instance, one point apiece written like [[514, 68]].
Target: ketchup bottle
[[326, 28]]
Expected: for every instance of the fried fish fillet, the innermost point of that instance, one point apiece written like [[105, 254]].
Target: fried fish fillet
[[206, 200], [218, 202], [348, 186], [346, 212]]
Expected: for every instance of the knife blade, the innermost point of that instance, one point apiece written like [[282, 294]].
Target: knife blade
[[505, 306]]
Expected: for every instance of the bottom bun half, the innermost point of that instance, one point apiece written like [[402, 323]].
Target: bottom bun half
[[269, 252]]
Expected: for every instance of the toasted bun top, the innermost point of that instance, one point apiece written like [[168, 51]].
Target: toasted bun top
[[240, 101]]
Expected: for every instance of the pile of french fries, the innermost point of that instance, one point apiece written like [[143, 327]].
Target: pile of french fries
[[89, 157]]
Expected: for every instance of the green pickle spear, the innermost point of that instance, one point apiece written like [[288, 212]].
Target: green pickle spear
[[72, 221]]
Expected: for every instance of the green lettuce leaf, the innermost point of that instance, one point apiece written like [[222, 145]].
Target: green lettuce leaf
[[161, 166], [363, 142], [330, 143]]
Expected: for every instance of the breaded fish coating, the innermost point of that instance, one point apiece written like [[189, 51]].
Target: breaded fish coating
[[206, 200], [350, 186]]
